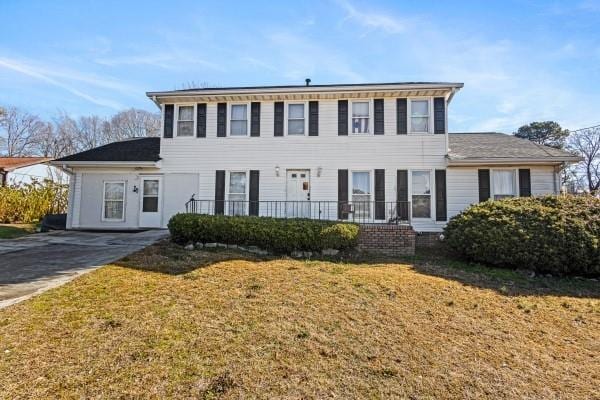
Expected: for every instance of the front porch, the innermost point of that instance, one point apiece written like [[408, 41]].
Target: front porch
[[363, 212]]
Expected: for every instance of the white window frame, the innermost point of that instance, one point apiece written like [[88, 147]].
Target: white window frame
[[229, 115], [515, 172], [104, 219], [286, 117], [431, 192], [246, 188], [371, 188], [194, 125], [429, 119], [371, 116]]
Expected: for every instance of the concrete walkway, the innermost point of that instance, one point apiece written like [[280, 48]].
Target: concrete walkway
[[32, 264]]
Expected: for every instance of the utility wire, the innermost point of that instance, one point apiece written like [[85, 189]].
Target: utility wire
[[583, 129]]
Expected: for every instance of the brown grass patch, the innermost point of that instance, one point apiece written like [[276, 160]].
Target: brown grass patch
[[168, 323]]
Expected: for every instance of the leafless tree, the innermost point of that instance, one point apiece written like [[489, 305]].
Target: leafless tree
[[134, 123], [19, 130], [586, 143]]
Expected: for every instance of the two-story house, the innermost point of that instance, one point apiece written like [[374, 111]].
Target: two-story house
[[371, 153]]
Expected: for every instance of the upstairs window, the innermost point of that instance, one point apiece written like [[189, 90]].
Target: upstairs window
[[239, 120], [360, 117], [295, 119], [421, 194], [504, 183], [185, 121], [419, 116]]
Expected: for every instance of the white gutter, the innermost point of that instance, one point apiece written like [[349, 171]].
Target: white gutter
[[303, 89], [64, 164], [512, 161]]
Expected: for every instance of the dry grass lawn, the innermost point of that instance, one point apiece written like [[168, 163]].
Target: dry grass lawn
[[166, 323]]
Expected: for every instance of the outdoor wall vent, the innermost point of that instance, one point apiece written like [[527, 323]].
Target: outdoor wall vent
[[307, 80]]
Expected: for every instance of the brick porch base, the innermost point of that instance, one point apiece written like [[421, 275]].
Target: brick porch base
[[390, 240]]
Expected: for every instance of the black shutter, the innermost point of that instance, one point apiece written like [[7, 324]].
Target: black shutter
[[342, 117], [221, 119], [380, 194], [342, 193], [484, 184], [402, 194], [220, 192], [278, 118], [253, 194], [401, 117], [439, 115], [169, 119], [313, 118], [440, 195], [379, 117], [255, 118], [201, 120], [524, 183]]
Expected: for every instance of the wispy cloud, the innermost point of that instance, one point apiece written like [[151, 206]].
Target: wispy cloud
[[371, 19], [58, 79], [169, 61]]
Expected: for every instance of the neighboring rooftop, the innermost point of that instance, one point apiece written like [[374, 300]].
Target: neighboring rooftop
[[465, 147], [135, 149], [11, 163]]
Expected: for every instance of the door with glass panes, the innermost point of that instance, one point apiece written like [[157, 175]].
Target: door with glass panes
[[151, 201]]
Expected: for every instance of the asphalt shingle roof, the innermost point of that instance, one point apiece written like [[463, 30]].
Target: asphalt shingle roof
[[136, 149], [464, 146]]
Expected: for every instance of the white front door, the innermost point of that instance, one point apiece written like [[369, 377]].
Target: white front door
[[298, 193], [151, 201]]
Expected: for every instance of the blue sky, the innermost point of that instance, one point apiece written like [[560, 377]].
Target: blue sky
[[520, 61]]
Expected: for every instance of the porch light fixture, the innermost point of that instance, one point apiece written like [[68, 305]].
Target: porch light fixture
[[319, 171], [135, 189], [277, 170]]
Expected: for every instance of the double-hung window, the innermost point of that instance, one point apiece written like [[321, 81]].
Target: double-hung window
[[237, 193], [361, 194], [239, 120], [185, 121], [421, 194], [113, 207], [360, 117], [504, 183], [296, 119], [419, 116]]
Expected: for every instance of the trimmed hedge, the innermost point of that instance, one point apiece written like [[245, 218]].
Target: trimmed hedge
[[548, 234], [277, 235]]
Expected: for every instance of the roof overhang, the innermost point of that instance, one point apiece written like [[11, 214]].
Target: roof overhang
[[512, 161], [107, 164], [307, 92]]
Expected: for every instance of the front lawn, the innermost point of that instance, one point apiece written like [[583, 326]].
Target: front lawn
[[11, 231], [170, 323]]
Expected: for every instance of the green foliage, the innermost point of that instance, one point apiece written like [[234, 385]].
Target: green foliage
[[277, 235], [30, 202], [549, 133], [549, 234]]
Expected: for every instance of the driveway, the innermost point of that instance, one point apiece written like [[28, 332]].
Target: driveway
[[32, 264]]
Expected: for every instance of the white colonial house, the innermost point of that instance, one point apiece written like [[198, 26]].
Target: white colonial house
[[370, 153]]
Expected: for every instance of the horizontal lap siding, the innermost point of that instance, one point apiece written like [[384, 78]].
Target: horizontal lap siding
[[328, 151]]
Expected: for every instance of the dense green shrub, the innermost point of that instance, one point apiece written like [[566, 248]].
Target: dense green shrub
[[552, 234], [30, 202], [277, 235]]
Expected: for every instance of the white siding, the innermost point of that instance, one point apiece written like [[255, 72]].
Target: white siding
[[463, 185], [177, 190], [87, 211]]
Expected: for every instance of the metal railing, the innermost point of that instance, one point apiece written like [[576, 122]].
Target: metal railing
[[378, 212]]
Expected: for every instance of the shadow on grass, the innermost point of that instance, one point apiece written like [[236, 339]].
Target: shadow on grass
[[171, 259], [168, 258], [440, 263]]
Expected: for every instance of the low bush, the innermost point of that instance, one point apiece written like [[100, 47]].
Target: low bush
[[552, 234], [277, 235], [29, 203]]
